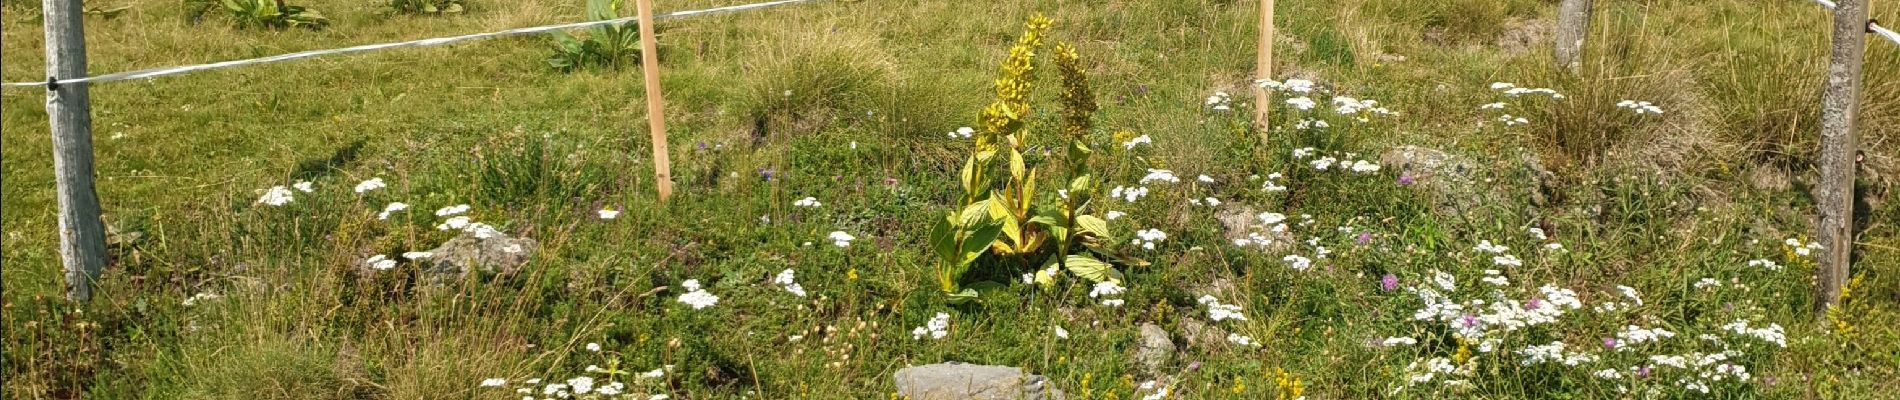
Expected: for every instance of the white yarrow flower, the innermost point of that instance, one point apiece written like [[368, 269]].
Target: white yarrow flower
[[391, 208], [841, 239], [371, 184], [276, 196]]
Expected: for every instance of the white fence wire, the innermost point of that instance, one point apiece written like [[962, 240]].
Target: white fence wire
[[1871, 25], [158, 72]]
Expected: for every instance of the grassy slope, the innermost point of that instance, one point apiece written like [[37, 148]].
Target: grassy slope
[[460, 124]]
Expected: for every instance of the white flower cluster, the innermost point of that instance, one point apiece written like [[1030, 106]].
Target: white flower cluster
[[391, 208], [1419, 373], [808, 202], [1510, 120], [1771, 333], [1128, 194], [1272, 225], [1512, 90], [1106, 289], [1639, 107], [1358, 108], [1137, 141], [1156, 390], [785, 278], [841, 239], [1210, 202], [1302, 103], [962, 133], [1632, 335], [1764, 264], [1310, 123], [1554, 353], [1326, 162], [1240, 339], [1800, 248], [380, 262], [697, 296], [583, 386], [368, 185], [276, 196], [1218, 311], [1220, 101], [1298, 262], [1291, 85], [1272, 183], [936, 328], [1159, 175], [463, 223], [1147, 238]]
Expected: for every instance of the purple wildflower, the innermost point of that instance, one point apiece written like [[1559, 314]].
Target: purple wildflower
[[1364, 237], [1609, 343], [1389, 282], [1406, 179]]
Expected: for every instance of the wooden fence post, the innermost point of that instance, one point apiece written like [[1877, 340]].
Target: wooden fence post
[[1264, 63], [82, 236], [656, 105], [1840, 106], [1573, 25]]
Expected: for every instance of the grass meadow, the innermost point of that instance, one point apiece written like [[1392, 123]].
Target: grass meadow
[[1589, 251]]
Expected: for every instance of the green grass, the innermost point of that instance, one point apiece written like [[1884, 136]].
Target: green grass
[[1655, 203]]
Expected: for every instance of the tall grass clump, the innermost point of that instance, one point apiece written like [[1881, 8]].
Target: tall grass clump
[[803, 83]]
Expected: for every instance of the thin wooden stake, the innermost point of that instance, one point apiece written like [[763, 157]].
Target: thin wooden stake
[[656, 104], [1840, 106], [82, 236], [1262, 100]]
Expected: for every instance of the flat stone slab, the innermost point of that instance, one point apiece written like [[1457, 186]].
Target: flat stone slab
[[959, 381]]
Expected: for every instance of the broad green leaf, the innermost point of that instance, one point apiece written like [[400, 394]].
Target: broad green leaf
[[962, 297], [1048, 216], [975, 214], [1091, 225], [1029, 191], [1092, 269], [1016, 167], [979, 240], [1081, 184], [943, 238], [969, 175]]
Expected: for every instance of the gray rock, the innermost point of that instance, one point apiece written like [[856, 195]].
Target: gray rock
[[1156, 349], [1202, 336], [465, 254], [959, 381]]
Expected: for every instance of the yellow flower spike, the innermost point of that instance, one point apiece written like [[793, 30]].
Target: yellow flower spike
[[1463, 354]]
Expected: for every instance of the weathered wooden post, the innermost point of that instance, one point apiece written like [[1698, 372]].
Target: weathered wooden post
[[82, 236], [1264, 64], [656, 105], [1573, 25], [1840, 106]]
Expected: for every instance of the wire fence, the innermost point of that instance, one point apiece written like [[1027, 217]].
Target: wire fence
[[158, 72], [1872, 25]]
